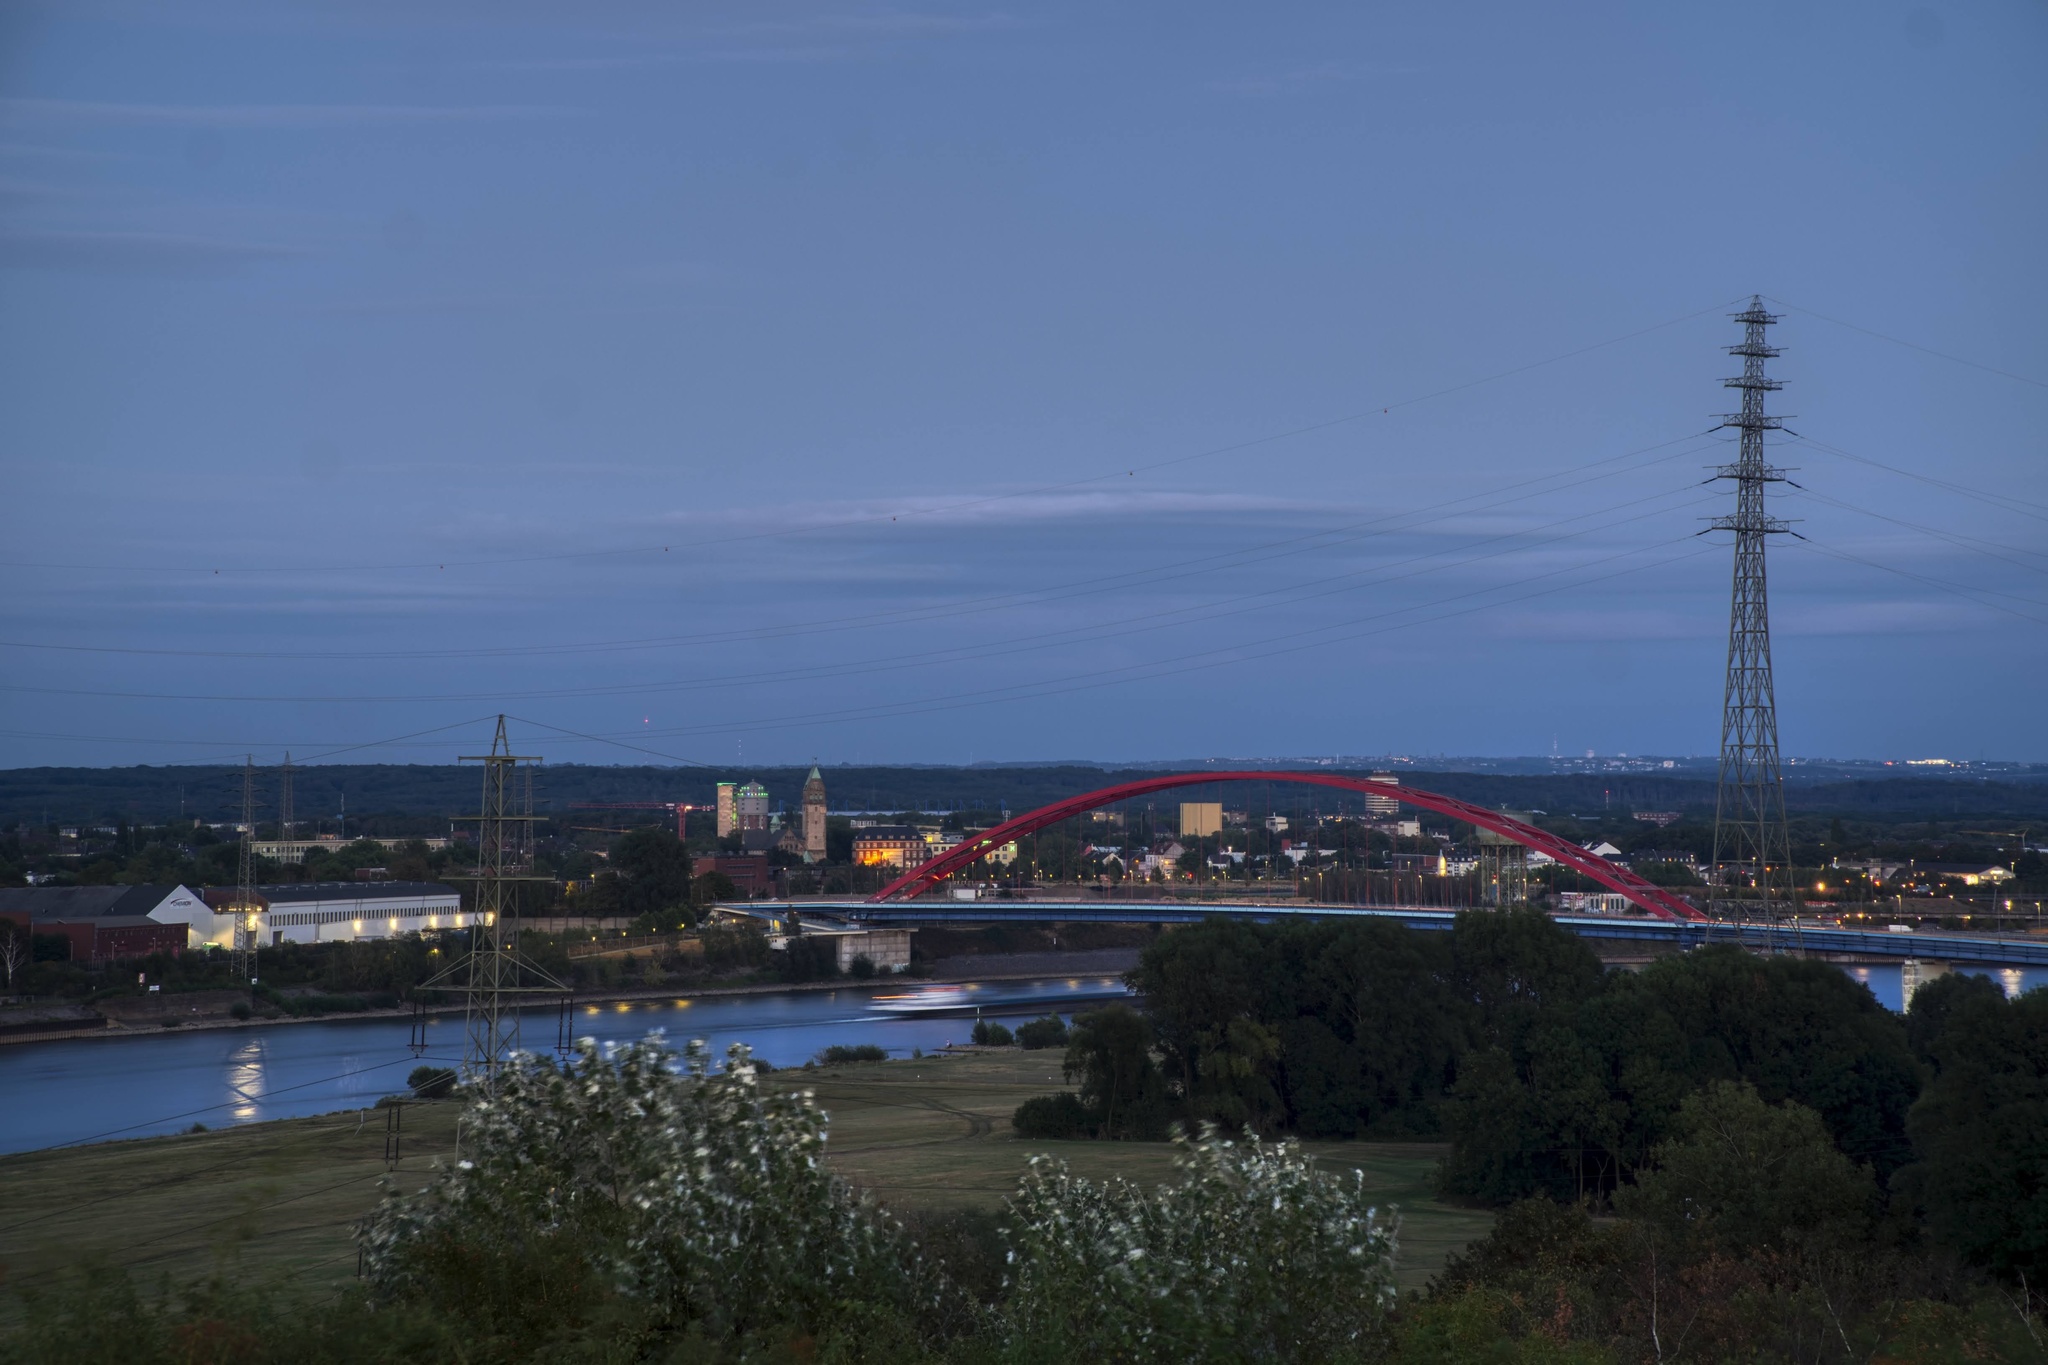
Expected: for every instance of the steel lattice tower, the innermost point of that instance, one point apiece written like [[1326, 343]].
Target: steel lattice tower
[[242, 955], [492, 970], [1752, 847]]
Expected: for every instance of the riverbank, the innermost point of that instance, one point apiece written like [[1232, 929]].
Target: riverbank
[[273, 1202], [966, 969]]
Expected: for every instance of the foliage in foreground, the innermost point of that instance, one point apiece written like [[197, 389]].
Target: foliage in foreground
[[697, 1198], [1250, 1253], [620, 1207]]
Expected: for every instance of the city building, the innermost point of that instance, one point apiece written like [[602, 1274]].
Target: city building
[[1969, 874], [1383, 807], [294, 851], [728, 808], [108, 923], [1200, 819], [751, 876], [814, 817], [345, 912], [750, 806], [889, 846], [1595, 903]]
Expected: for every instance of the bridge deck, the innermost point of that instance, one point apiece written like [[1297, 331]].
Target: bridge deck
[[1876, 943]]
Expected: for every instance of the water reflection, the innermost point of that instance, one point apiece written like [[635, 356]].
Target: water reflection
[[87, 1090], [245, 1079]]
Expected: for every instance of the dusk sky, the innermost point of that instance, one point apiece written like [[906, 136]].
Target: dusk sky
[[758, 383]]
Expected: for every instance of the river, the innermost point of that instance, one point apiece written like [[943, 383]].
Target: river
[[94, 1089], [98, 1089]]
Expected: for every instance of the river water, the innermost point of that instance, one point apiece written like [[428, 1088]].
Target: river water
[[100, 1089]]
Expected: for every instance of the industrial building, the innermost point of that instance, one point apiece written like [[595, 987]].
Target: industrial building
[[104, 923], [348, 912]]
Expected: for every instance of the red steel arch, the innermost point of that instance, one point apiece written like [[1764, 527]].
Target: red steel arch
[[1652, 898]]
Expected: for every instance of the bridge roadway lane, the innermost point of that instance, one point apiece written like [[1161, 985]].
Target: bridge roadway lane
[[1870, 943]]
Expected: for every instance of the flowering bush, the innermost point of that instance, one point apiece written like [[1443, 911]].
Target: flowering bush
[[693, 1198], [1250, 1254]]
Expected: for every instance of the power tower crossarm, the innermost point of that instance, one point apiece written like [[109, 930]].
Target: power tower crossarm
[[1752, 842]]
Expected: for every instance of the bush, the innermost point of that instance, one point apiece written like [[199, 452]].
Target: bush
[[862, 967], [991, 1035], [612, 1194], [1250, 1254], [735, 945], [1050, 1031], [840, 1053], [1060, 1117], [432, 1082], [240, 1009]]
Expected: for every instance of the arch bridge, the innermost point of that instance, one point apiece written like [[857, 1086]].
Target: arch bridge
[[1651, 898]]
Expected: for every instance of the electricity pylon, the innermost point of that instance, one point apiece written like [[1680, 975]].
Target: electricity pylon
[[248, 906], [1752, 846], [492, 976]]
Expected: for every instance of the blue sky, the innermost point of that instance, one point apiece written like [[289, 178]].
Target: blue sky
[[753, 383]]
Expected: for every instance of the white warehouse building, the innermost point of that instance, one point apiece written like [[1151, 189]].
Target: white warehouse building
[[339, 912]]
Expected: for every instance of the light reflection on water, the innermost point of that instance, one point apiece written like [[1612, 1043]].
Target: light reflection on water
[[1886, 981], [245, 1080], [90, 1088]]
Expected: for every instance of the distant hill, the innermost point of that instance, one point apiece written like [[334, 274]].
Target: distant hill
[[152, 794]]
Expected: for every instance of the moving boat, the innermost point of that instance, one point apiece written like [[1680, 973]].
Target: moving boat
[[921, 999]]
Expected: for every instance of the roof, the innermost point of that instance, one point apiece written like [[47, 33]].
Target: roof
[[887, 832], [84, 902], [299, 893]]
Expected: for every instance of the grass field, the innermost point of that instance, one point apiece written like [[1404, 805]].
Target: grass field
[[274, 1201]]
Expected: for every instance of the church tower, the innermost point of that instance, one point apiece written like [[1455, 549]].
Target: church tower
[[814, 817]]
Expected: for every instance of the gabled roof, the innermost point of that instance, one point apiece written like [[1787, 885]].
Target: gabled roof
[[84, 902]]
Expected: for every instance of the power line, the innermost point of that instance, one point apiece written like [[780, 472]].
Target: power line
[[1131, 471], [1148, 622], [1092, 586], [1913, 345]]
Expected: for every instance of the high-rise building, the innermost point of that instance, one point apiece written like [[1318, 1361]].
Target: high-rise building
[[751, 805], [728, 808], [814, 817], [1381, 807], [1200, 819]]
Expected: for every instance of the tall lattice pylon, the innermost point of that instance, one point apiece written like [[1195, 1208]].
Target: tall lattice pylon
[[248, 907], [492, 977], [1752, 848]]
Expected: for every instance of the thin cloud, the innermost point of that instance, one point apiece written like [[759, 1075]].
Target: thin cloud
[[134, 253], [1306, 78], [102, 113]]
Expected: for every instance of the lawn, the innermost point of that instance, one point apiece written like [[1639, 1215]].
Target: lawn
[[275, 1200]]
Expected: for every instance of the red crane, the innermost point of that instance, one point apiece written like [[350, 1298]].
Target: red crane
[[682, 810]]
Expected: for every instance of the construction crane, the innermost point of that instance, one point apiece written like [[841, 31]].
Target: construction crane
[[682, 810]]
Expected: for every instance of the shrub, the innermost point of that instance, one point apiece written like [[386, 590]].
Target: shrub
[[1050, 1031], [1059, 1117], [991, 1035], [240, 1009], [735, 945], [841, 1053], [614, 1193], [432, 1082], [1250, 1254], [862, 967]]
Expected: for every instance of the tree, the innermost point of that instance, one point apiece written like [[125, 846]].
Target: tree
[[14, 950], [694, 1200], [657, 874], [1741, 1175], [1249, 1253], [1110, 1051], [1980, 1132]]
